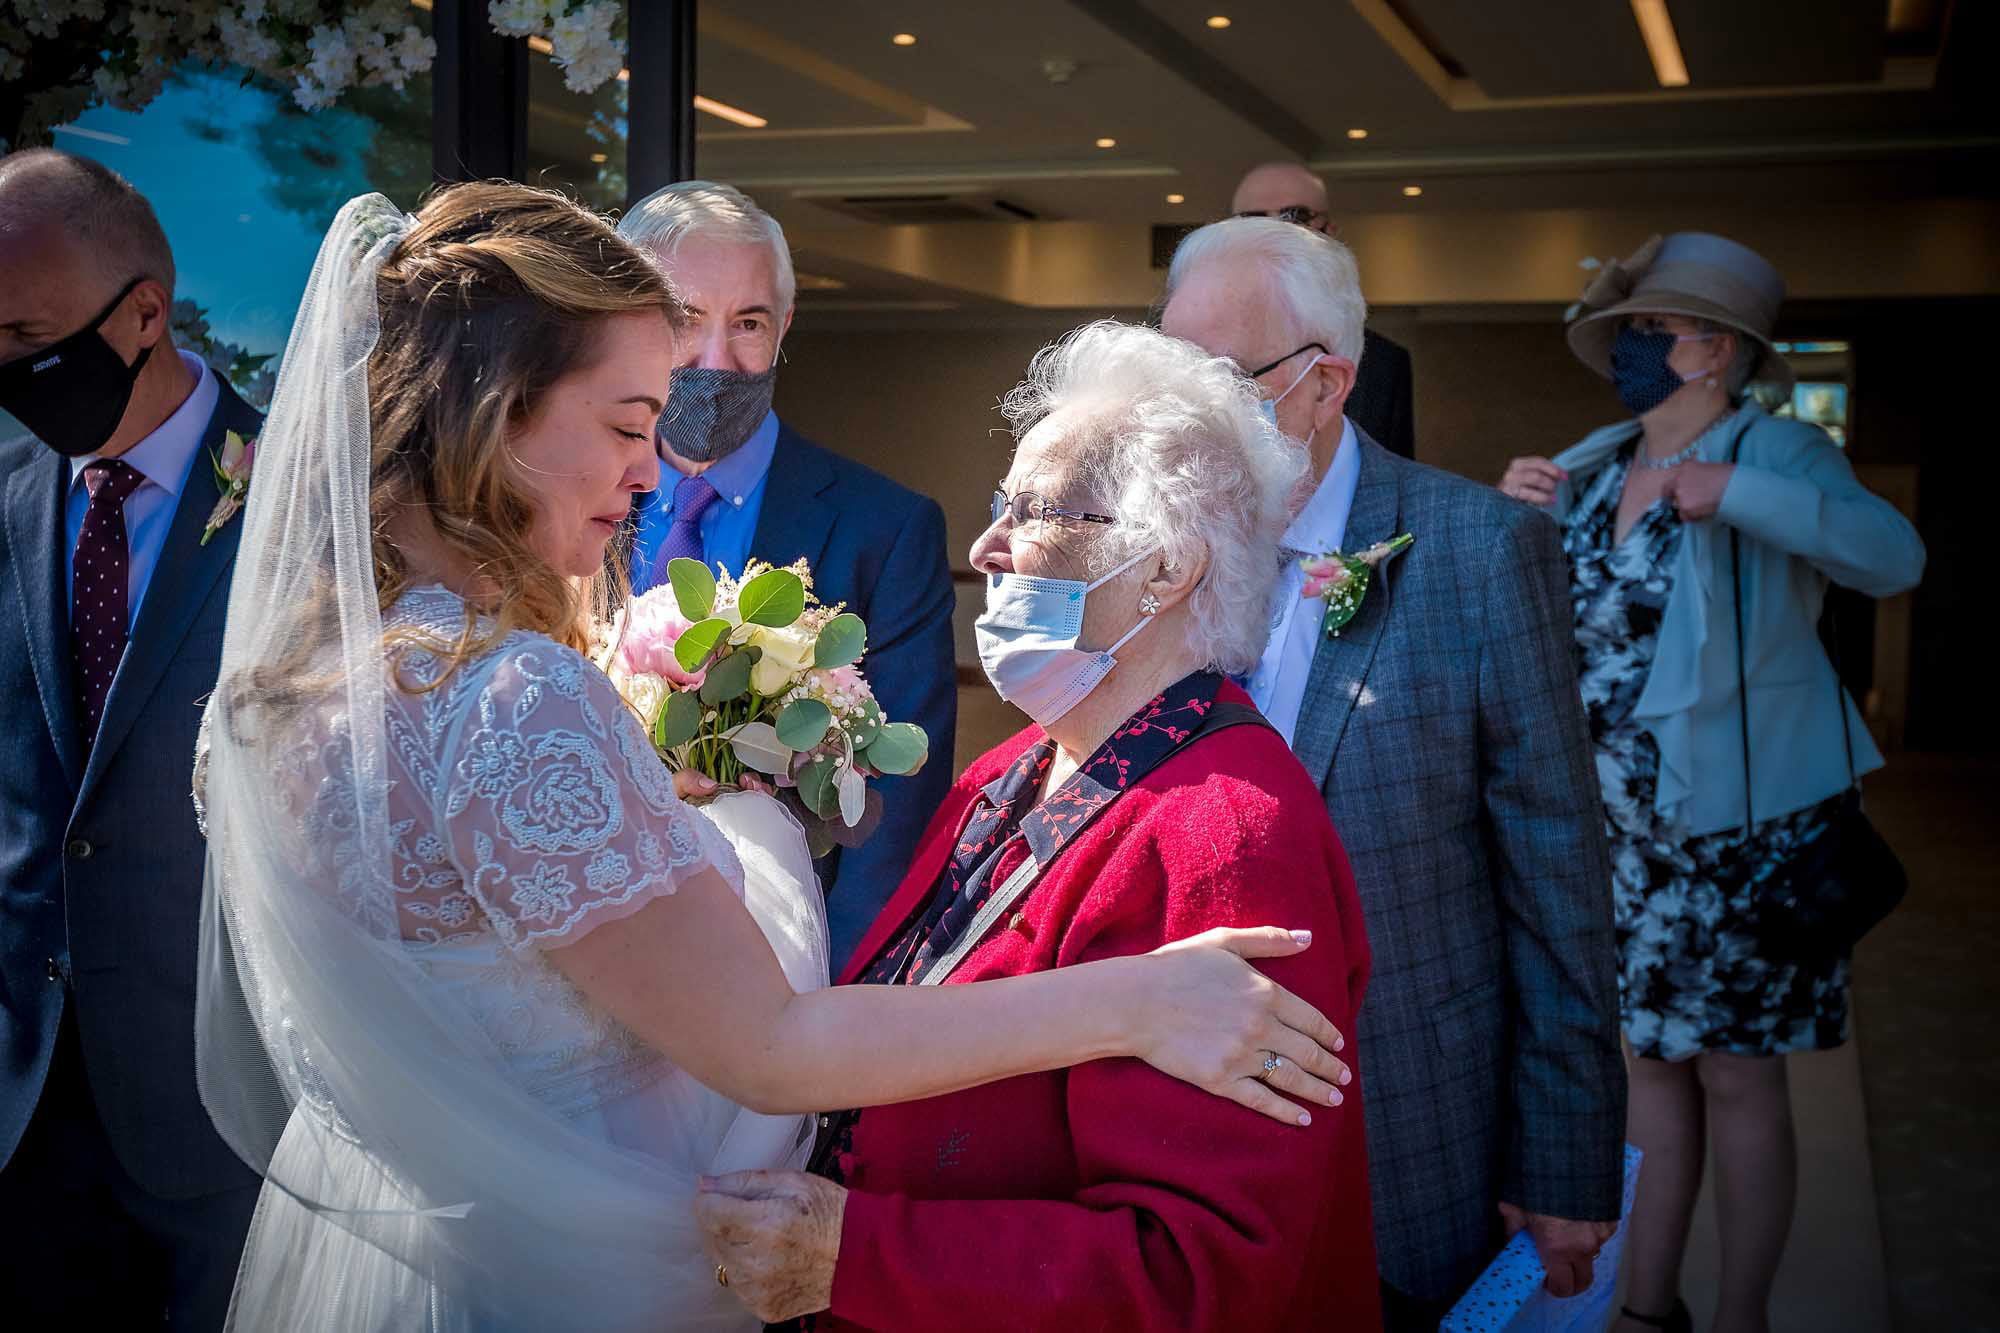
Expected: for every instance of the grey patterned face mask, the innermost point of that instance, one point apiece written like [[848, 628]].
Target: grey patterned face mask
[[712, 413]]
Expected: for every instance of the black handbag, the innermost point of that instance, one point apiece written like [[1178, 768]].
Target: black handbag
[[1840, 885]]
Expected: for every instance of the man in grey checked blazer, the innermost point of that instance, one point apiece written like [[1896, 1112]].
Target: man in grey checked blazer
[[1444, 725]]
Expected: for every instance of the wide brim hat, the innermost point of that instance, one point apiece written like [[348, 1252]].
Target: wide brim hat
[[1689, 273]]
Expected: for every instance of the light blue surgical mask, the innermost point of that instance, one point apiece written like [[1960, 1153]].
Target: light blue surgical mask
[[1027, 642], [1269, 406]]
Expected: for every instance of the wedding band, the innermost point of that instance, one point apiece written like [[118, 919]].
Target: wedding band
[[1273, 1062], [721, 1276]]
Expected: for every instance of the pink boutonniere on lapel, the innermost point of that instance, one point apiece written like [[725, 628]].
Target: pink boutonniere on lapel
[[1343, 579], [232, 478]]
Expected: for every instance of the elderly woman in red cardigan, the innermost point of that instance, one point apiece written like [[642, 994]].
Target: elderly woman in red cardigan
[[1131, 561]]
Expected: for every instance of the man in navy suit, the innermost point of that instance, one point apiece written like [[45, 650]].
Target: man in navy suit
[[1380, 403], [740, 484], [123, 1207]]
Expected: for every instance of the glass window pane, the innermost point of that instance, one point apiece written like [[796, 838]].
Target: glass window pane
[[576, 141], [245, 183]]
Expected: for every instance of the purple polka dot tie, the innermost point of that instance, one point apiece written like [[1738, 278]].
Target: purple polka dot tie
[[103, 568], [692, 497]]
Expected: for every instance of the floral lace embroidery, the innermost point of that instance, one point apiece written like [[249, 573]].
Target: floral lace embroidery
[[523, 803]]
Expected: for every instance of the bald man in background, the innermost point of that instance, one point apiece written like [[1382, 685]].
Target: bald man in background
[[122, 1207], [1380, 402]]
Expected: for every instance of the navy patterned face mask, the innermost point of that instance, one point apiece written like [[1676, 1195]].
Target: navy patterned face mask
[[1639, 368], [713, 413]]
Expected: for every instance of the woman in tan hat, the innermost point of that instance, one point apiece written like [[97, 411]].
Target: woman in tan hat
[[1698, 509]]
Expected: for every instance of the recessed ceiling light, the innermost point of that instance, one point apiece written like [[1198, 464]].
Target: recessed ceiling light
[[599, 157], [1412, 191], [734, 115], [1176, 198], [1219, 22], [1107, 143], [1357, 134], [904, 39]]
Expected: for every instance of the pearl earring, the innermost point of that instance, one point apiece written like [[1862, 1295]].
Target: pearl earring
[[1149, 605]]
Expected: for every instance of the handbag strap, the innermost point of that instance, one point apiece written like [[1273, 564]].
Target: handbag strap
[[1742, 684]]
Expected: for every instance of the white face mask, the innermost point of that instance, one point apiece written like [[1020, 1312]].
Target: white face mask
[[1269, 406], [1027, 642]]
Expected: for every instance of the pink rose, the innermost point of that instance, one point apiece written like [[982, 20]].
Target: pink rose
[[653, 624], [1323, 575]]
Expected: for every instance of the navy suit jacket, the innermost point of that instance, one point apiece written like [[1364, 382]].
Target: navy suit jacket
[[100, 859], [1380, 402], [880, 548]]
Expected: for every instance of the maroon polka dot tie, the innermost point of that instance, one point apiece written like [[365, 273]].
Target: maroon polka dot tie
[[102, 565]]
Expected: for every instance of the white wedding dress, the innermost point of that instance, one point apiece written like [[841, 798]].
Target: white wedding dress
[[451, 1135], [526, 808]]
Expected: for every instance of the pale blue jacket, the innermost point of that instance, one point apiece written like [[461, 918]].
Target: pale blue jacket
[[1804, 519]]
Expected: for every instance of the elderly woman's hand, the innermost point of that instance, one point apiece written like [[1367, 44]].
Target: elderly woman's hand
[[774, 1235], [1533, 480], [1220, 1024]]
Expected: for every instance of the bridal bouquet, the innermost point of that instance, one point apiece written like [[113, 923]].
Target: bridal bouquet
[[753, 675]]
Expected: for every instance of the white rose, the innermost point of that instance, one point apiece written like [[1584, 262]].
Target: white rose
[[645, 692], [787, 654]]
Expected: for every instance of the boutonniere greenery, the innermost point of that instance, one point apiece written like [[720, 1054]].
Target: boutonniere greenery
[[1342, 579], [232, 478]]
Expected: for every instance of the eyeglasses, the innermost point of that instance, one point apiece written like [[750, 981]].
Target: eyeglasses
[[1267, 369], [1027, 507], [1299, 215]]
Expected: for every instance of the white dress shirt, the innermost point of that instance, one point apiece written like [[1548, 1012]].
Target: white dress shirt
[[165, 459], [1278, 686]]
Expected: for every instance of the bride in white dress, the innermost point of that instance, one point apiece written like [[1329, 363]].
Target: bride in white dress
[[480, 996]]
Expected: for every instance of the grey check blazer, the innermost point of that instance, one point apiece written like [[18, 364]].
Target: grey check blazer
[[1445, 728]]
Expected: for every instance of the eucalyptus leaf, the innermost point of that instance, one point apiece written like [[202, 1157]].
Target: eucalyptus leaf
[[691, 650], [819, 788], [729, 678], [803, 724], [853, 836], [867, 725], [853, 796], [775, 598], [677, 722], [899, 750], [758, 745], [841, 642], [694, 587]]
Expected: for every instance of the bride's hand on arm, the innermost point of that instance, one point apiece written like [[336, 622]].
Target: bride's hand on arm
[[691, 974]]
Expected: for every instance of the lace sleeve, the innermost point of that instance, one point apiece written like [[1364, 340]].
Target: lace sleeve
[[557, 812]]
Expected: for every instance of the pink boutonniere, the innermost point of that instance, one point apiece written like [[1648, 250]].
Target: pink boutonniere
[[232, 478], [1343, 579]]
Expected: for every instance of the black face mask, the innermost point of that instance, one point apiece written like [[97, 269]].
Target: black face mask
[[72, 393]]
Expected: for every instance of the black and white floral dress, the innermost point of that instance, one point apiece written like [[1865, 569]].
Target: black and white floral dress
[[1695, 973]]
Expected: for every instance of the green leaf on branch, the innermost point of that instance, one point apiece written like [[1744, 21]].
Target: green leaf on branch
[[853, 796], [819, 788], [867, 726], [691, 650], [677, 721], [899, 750], [774, 598], [803, 724], [694, 587], [841, 643], [729, 678], [758, 745]]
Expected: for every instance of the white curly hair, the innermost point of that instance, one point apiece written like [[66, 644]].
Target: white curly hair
[[1173, 441]]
